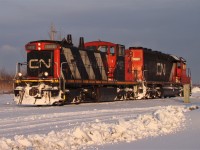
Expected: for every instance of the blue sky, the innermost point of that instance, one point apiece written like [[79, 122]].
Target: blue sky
[[170, 26]]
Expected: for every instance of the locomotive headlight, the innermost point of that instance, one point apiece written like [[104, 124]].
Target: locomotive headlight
[[20, 74], [46, 74]]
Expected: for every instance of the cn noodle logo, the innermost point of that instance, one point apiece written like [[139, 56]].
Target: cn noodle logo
[[161, 69], [37, 63]]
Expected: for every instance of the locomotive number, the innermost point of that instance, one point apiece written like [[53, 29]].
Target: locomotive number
[[161, 69], [36, 63]]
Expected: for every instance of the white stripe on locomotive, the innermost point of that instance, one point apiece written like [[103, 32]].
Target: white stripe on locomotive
[[72, 65], [101, 66], [87, 64]]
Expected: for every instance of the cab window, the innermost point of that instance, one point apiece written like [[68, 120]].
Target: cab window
[[103, 48], [179, 65], [121, 50], [184, 66], [112, 50]]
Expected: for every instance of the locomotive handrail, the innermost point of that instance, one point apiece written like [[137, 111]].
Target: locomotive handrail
[[18, 69], [188, 72], [18, 66], [62, 76], [57, 68], [144, 77]]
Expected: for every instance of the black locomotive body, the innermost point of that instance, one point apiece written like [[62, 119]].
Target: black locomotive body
[[83, 64], [158, 66]]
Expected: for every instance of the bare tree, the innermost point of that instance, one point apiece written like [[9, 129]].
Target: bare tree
[[6, 81]]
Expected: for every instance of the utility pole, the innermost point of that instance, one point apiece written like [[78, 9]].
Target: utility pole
[[186, 89], [52, 32]]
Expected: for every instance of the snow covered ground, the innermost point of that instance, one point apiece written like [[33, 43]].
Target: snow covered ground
[[142, 124]]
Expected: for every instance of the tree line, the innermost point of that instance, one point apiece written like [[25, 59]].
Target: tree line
[[6, 81]]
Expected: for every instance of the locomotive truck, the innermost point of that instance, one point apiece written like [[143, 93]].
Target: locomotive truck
[[58, 73]]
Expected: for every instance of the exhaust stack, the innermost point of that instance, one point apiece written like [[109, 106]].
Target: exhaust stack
[[81, 43], [69, 39]]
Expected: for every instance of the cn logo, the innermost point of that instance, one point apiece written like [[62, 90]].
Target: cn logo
[[37, 63], [161, 69]]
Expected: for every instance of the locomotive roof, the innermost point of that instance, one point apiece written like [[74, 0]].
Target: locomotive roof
[[47, 41], [64, 42], [176, 58], [99, 42]]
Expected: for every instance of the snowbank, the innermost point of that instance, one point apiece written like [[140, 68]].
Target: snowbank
[[162, 121], [196, 90]]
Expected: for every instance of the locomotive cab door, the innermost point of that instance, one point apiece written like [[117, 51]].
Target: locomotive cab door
[[111, 59], [178, 69], [119, 73]]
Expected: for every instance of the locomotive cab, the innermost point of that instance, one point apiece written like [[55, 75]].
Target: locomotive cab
[[182, 74], [114, 54]]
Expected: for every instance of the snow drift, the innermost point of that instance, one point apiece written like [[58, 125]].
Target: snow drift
[[195, 90], [162, 121]]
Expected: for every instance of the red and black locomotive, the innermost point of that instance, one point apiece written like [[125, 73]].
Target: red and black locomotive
[[59, 73]]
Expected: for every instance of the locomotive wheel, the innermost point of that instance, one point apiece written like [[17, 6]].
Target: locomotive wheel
[[124, 97], [77, 100], [96, 94], [159, 94], [58, 103], [118, 97]]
